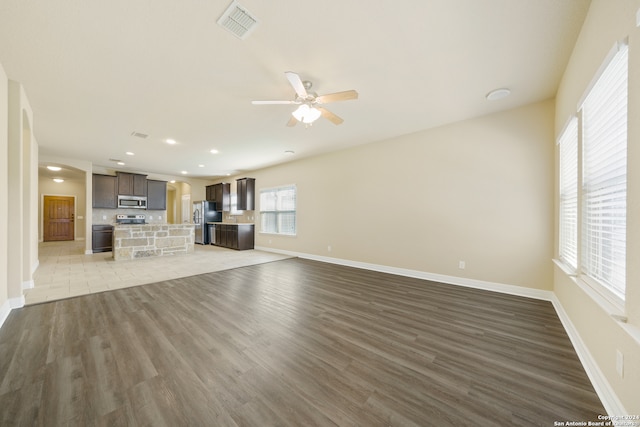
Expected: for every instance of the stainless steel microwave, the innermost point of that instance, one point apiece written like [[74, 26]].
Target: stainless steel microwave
[[132, 202]]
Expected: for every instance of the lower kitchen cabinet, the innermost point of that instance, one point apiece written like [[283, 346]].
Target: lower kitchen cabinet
[[235, 236], [102, 238]]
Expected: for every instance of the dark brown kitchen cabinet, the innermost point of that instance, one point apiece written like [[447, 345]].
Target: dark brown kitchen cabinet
[[102, 238], [105, 191], [131, 184], [246, 194], [235, 236], [220, 194], [156, 195]]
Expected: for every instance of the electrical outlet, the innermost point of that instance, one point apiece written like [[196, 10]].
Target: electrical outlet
[[329, 248], [462, 265], [150, 217], [620, 363], [104, 217], [160, 217]]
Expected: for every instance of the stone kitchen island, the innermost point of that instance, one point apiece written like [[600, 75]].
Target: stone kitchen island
[[134, 241]]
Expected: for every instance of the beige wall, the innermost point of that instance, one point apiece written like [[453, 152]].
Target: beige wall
[[4, 191], [607, 22], [480, 191]]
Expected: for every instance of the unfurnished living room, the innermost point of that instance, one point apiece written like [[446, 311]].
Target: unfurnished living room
[[245, 213]]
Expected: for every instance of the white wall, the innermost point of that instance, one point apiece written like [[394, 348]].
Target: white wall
[[4, 191], [607, 22]]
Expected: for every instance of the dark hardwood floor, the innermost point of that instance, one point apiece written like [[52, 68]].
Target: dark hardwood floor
[[291, 343]]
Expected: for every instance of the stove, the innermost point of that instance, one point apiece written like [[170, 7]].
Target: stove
[[131, 219]]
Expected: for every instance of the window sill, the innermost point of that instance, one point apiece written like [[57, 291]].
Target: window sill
[[612, 309]]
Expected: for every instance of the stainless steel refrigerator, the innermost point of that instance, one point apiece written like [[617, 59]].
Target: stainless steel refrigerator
[[204, 212]]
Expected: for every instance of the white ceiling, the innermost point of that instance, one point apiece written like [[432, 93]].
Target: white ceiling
[[96, 71]]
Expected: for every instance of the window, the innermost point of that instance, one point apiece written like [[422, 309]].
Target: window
[[278, 210], [593, 182], [604, 177], [568, 146]]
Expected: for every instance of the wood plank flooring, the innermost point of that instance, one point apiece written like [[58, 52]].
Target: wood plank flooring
[[291, 343]]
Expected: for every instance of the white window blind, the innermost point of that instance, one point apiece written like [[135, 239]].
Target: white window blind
[[604, 177], [278, 210], [568, 241]]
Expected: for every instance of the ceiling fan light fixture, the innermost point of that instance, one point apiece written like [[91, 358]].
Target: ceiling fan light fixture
[[306, 114]]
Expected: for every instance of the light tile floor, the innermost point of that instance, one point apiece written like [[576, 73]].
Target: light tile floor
[[65, 271]]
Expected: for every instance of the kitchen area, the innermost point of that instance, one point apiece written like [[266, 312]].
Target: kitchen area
[[216, 218], [130, 217]]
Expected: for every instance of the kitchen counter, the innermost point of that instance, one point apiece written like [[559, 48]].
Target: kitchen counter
[[231, 223], [133, 241], [233, 235]]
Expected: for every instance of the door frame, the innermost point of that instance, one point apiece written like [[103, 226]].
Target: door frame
[[75, 214]]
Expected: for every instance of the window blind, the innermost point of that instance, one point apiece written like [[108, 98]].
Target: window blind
[[568, 240], [604, 177]]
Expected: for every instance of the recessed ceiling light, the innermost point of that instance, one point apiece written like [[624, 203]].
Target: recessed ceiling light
[[54, 168], [214, 151], [200, 166], [173, 181], [58, 180], [120, 163], [184, 172], [129, 153], [496, 94], [170, 141], [289, 152]]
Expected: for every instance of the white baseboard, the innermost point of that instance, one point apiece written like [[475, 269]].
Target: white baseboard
[[9, 305], [602, 387], [451, 280], [600, 384], [35, 266]]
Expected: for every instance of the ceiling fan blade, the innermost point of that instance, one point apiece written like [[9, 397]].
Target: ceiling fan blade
[[272, 102], [297, 84], [338, 96], [292, 122], [330, 116]]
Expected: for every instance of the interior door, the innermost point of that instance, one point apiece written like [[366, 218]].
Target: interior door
[[58, 214]]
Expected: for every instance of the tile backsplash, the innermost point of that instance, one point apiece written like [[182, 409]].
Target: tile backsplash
[[239, 217], [108, 216]]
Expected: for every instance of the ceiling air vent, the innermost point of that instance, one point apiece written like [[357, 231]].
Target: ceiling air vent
[[139, 135], [237, 20]]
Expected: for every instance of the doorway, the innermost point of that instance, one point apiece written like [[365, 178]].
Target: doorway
[[58, 218]]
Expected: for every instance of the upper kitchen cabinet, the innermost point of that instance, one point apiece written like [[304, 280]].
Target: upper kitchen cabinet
[[131, 184], [105, 191], [246, 192], [156, 195], [220, 194]]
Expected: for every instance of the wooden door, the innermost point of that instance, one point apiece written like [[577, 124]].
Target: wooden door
[[58, 216]]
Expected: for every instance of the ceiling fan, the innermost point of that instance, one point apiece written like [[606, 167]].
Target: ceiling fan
[[310, 103]]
